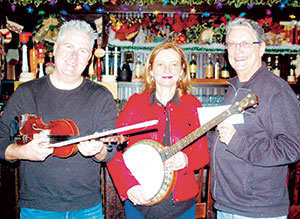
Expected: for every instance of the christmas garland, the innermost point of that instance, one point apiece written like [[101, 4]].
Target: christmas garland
[[236, 3]]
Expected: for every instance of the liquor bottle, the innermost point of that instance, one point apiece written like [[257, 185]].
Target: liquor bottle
[[49, 66], [224, 72], [33, 60], [291, 76], [193, 66], [217, 68], [209, 67], [276, 69], [138, 66], [41, 60], [269, 63]]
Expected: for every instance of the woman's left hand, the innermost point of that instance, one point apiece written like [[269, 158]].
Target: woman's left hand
[[177, 161]]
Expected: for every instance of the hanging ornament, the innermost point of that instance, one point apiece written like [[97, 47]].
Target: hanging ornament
[[219, 5], [13, 26], [227, 16], [242, 14], [156, 12], [30, 10], [64, 12], [113, 2], [282, 5], [140, 9], [250, 6], [179, 13], [100, 10], [124, 8], [165, 2], [268, 12], [193, 10], [52, 2], [205, 14], [6, 35], [78, 7], [86, 7], [41, 13], [13, 7], [292, 16]]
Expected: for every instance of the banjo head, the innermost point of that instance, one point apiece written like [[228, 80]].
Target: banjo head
[[145, 163]]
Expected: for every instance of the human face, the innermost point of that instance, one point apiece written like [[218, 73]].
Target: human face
[[72, 55], [245, 60], [167, 68]]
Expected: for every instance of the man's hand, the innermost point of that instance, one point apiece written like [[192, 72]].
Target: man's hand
[[226, 131], [90, 148], [35, 150]]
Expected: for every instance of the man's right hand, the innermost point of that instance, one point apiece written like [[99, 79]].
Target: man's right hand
[[35, 150]]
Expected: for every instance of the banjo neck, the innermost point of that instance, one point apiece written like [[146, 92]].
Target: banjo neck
[[237, 107], [187, 140]]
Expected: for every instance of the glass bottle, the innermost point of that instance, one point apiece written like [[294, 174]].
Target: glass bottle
[[291, 76], [193, 66], [138, 66], [209, 68], [269, 63], [276, 69], [217, 68], [224, 72]]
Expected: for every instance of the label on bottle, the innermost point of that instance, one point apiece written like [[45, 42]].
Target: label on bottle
[[138, 70], [193, 70], [225, 74], [217, 71], [276, 71], [209, 71]]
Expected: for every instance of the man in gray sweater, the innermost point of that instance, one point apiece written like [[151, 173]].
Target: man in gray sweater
[[249, 161], [52, 186]]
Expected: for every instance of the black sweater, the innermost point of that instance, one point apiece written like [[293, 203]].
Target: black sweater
[[61, 184]]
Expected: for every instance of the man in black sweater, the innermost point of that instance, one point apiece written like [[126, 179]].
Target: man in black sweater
[[52, 186]]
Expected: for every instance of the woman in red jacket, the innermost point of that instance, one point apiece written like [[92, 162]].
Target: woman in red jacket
[[167, 98]]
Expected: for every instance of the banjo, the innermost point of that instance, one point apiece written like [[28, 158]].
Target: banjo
[[145, 158]]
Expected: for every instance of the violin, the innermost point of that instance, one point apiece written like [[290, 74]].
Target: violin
[[25, 128], [63, 133]]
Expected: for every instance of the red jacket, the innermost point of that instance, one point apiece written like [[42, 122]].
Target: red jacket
[[183, 120]]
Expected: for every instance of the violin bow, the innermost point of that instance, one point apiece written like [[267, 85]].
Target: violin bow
[[103, 134]]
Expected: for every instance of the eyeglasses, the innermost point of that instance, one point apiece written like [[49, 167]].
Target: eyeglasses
[[243, 45]]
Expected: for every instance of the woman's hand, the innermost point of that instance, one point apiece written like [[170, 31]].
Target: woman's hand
[[177, 161], [137, 196]]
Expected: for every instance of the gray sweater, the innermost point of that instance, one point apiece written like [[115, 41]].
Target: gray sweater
[[249, 175], [61, 184]]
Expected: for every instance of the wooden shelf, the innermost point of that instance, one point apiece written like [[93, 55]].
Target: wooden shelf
[[204, 81], [294, 82]]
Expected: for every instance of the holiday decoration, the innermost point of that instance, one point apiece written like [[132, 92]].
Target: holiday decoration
[[24, 38], [6, 35], [13, 26], [47, 30], [249, 3]]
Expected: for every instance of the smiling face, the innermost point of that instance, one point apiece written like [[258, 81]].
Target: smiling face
[[244, 60], [72, 55], [167, 69]]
